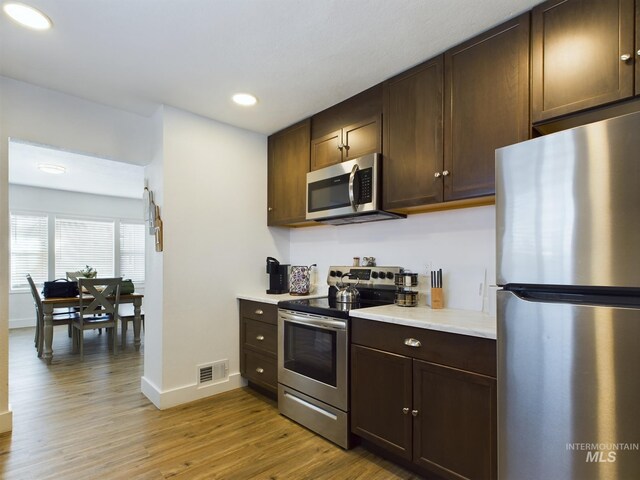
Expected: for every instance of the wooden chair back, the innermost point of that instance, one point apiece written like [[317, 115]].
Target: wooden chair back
[[36, 294], [59, 317], [99, 296], [73, 276]]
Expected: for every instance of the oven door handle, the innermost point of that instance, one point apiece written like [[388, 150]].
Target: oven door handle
[[323, 323], [352, 179]]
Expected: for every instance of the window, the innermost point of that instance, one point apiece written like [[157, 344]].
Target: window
[[29, 249], [132, 240], [84, 242], [111, 246]]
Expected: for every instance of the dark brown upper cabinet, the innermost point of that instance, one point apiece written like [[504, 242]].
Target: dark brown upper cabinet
[[412, 112], [486, 106], [582, 55], [637, 48], [347, 130], [288, 164]]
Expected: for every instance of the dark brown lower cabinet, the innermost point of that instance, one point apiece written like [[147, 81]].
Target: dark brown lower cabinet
[[440, 418], [380, 390], [259, 345], [455, 423]]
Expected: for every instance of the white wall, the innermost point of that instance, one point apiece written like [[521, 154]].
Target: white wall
[[461, 242], [43, 200], [51, 118], [213, 205], [210, 181], [151, 382], [44, 116]]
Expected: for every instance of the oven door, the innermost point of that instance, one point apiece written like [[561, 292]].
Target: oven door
[[312, 356], [343, 189]]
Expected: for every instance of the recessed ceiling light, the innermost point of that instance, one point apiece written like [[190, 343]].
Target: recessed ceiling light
[[244, 99], [54, 169], [27, 16]]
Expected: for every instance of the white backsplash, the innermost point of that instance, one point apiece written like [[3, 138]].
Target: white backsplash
[[461, 242]]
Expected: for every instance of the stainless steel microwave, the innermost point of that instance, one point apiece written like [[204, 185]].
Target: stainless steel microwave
[[349, 192]]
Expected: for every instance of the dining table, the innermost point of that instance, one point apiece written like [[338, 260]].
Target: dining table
[[48, 305]]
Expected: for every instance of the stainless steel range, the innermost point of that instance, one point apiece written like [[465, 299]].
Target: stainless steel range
[[313, 350]]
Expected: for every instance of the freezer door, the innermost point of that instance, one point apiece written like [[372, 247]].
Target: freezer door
[[567, 207], [568, 391]]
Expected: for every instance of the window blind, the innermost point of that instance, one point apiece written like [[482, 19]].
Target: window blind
[[132, 242], [84, 242], [29, 249]]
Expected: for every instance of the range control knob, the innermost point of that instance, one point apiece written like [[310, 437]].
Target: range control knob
[[338, 273], [332, 273], [390, 275], [381, 275], [374, 274]]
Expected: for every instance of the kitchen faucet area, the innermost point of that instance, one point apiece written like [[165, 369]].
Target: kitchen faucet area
[[363, 239]]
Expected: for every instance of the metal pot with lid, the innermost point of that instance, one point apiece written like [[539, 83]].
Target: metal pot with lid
[[347, 293]]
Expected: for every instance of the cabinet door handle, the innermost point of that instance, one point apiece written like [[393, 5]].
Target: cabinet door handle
[[405, 410], [446, 173], [270, 209], [259, 312], [340, 146], [625, 58], [412, 342], [414, 413], [260, 338], [638, 52], [437, 174], [261, 370]]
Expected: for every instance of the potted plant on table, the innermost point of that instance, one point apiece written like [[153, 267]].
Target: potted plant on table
[[88, 272]]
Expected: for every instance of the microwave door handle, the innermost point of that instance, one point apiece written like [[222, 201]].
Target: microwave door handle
[[352, 179]]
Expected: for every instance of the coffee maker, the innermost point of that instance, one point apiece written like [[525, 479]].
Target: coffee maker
[[278, 276]]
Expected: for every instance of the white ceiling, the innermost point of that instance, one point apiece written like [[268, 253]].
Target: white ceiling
[[297, 56], [83, 173]]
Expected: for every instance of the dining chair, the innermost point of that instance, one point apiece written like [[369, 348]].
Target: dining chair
[[126, 314], [74, 275], [61, 316], [99, 303]]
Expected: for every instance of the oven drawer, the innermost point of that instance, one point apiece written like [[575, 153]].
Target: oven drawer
[[473, 354], [264, 312], [330, 422], [260, 335], [261, 369]]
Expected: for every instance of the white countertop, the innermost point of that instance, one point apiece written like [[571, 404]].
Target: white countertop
[[262, 296], [464, 322]]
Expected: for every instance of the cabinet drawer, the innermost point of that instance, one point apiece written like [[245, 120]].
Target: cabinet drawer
[[261, 369], [260, 335], [473, 354], [264, 312]]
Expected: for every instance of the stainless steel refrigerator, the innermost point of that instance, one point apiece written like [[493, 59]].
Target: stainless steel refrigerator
[[568, 261]]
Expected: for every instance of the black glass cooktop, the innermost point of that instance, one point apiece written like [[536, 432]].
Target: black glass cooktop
[[329, 307]]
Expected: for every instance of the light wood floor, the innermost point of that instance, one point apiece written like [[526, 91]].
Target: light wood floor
[[88, 420]]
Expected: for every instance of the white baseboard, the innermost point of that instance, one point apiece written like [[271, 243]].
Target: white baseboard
[[22, 322], [6, 421], [187, 393]]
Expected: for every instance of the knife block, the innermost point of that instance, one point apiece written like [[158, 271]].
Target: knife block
[[437, 298]]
